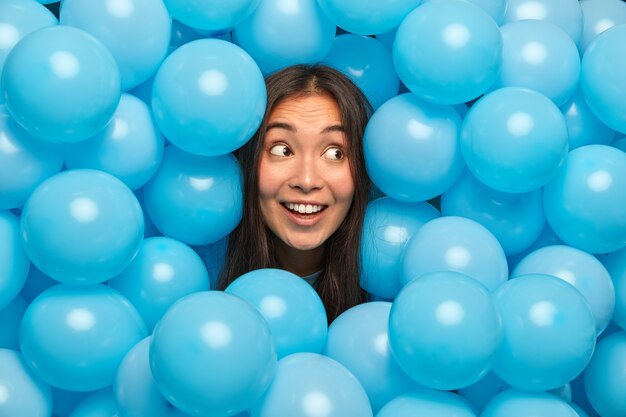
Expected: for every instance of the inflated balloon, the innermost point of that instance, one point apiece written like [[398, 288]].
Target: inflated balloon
[[74, 337], [195, 199], [494, 8], [387, 227], [444, 330], [11, 317], [598, 16], [514, 140], [101, 403], [64, 401], [136, 32], [427, 403], [368, 63], [518, 403], [82, 226], [282, 33], [14, 262], [620, 143], [36, 283], [452, 243], [578, 268], [129, 148], [208, 97], [605, 377], [583, 127], [411, 148], [211, 15], [615, 264], [309, 384], [150, 230], [163, 271], [546, 238], [214, 257], [603, 88], [61, 84], [448, 52], [293, 310], [516, 220], [212, 354], [483, 390], [549, 332], [23, 393], [358, 339], [584, 202]]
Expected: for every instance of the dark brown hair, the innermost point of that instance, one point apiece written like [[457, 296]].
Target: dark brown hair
[[251, 246]]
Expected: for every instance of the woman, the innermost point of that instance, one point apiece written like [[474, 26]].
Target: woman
[[305, 186]]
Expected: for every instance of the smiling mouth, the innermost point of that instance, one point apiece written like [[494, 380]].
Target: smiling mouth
[[304, 209]]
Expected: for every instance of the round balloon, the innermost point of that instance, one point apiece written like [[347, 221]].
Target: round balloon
[[583, 127], [100, 403], [14, 262], [23, 393], [211, 15], [427, 403], [615, 264], [547, 237], [494, 8], [518, 403], [598, 16]]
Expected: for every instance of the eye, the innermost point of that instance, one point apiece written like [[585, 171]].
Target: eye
[[280, 150], [334, 153]]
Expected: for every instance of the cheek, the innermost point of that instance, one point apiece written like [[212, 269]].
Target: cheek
[[344, 187], [268, 181]]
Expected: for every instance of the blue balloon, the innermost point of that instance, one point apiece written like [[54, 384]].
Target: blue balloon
[[82, 226], [11, 317], [150, 230], [64, 401], [61, 84], [448, 52], [208, 97], [358, 339], [605, 377], [598, 16], [310, 384], [427, 403], [584, 202], [482, 391], [603, 88], [518, 403], [14, 262], [136, 32], [279, 34], [25, 161], [36, 283], [99, 404], [74, 337], [368, 63], [547, 237], [615, 264], [494, 8], [211, 15], [129, 148], [620, 143], [578, 268], [293, 310], [182, 34], [163, 271], [23, 393], [514, 140], [452, 243], [388, 226], [212, 354], [516, 220], [549, 332], [444, 330], [412, 149], [195, 199], [583, 127]]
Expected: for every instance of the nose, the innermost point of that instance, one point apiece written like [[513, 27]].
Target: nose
[[306, 175]]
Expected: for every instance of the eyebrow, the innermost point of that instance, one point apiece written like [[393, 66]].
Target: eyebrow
[[291, 128]]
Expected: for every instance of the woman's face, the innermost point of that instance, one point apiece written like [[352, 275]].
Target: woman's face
[[305, 182]]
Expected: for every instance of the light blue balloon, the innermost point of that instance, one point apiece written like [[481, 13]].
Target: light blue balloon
[[150, 230], [546, 238], [540, 56], [605, 377], [388, 226], [23, 393], [211, 15], [583, 127], [444, 330], [494, 8], [163, 271], [195, 199], [458, 244], [518, 403], [293, 310], [136, 32], [566, 14], [279, 34], [74, 337], [516, 220], [82, 226], [615, 264], [61, 84], [448, 52], [11, 317], [308, 384], [136, 394], [411, 148], [514, 140], [208, 97], [603, 88], [98, 404], [368, 64], [358, 339], [129, 148], [584, 202], [427, 403], [14, 262], [578, 268], [25, 161], [598, 16], [549, 332]]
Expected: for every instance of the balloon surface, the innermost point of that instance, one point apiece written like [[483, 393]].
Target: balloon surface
[[14, 262], [11, 317], [23, 393], [598, 16], [518, 403], [99, 404], [211, 15], [583, 127], [494, 8], [427, 403], [615, 264]]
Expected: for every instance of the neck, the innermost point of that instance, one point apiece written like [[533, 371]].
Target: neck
[[300, 262]]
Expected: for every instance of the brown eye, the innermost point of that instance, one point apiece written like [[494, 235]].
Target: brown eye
[[334, 154], [281, 150]]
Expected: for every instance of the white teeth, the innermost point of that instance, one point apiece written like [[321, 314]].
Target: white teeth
[[304, 208], [309, 208]]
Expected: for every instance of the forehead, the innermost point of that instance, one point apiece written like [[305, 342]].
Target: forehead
[[313, 108]]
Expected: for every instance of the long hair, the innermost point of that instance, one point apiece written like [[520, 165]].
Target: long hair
[[251, 246]]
